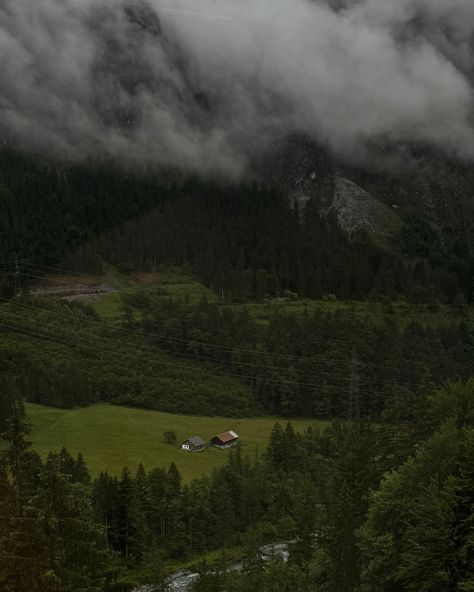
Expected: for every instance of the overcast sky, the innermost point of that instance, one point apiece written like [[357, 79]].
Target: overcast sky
[[208, 84]]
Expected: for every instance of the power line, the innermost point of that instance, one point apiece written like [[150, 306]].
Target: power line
[[50, 338], [172, 11], [211, 345], [95, 348], [295, 358], [354, 404], [62, 270], [239, 375], [344, 306], [201, 357], [255, 379], [189, 13], [305, 359], [324, 374], [17, 277]]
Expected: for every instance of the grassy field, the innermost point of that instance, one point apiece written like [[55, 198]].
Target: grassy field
[[176, 283], [111, 437], [167, 283], [376, 311], [180, 283]]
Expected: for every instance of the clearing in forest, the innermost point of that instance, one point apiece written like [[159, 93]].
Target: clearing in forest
[[111, 437]]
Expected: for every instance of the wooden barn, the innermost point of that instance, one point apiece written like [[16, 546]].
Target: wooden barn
[[193, 444], [226, 440]]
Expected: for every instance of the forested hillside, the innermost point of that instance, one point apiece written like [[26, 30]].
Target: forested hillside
[[64, 355], [243, 241], [50, 208], [247, 243], [208, 357]]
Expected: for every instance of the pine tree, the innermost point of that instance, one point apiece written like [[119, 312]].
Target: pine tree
[[74, 557], [125, 526], [16, 456], [140, 512], [80, 472], [105, 498], [276, 446], [351, 474], [20, 551]]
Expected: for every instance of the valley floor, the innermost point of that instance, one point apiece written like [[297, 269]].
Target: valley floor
[[111, 437]]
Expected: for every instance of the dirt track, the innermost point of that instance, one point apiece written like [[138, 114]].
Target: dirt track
[[78, 292]]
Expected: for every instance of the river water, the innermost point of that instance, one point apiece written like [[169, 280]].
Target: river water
[[181, 580]]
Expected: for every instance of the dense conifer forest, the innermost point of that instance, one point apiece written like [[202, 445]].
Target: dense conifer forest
[[242, 241]]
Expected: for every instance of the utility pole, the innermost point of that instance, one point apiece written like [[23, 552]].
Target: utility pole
[[17, 277], [354, 403]]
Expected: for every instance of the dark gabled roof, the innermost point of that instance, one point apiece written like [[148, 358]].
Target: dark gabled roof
[[196, 441], [227, 436]]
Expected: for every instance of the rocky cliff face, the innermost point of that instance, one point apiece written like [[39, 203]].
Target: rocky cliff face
[[377, 200], [356, 209]]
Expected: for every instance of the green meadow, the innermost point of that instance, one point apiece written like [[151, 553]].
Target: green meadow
[[167, 283], [177, 283], [111, 437]]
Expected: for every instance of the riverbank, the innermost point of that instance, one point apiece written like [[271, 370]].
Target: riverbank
[[228, 560]]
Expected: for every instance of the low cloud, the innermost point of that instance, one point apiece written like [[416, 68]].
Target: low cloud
[[208, 85]]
